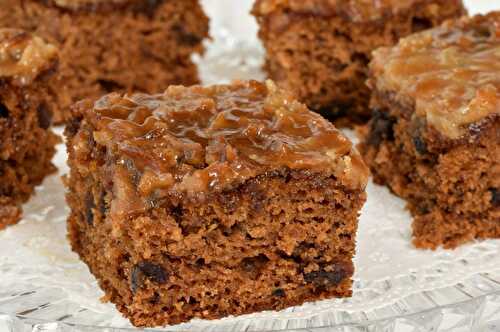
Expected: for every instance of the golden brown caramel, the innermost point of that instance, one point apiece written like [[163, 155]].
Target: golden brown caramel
[[23, 56], [355, 10], [198, 139], [451, 72]]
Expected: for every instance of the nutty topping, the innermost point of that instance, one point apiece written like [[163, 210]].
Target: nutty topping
[[194, 140], [23, 57], [452, 72]]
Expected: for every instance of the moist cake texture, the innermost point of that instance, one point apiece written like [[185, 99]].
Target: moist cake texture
[[26, 142], [435, 136], [119, 45], [208, 202], [320, 49]]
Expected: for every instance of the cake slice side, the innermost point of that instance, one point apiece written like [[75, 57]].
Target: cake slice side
[[435, 136], [450, 187], [26, 141], [321, 50], [276, 241], [106, 46], [274, 236]]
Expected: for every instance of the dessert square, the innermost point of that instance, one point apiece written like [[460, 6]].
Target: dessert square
[[119, 45], [26, 142], [435, 136], [320, 49], [209, 202]]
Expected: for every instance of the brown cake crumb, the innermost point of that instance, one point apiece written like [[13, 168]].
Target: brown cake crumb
[[26, 142], [118, 45], [320, 49], [212, 201], [435, 136]]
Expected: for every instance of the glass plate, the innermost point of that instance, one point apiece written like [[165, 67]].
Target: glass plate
[[44, 287]]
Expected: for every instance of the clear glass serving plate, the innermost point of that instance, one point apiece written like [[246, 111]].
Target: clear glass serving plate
[[44, 287]]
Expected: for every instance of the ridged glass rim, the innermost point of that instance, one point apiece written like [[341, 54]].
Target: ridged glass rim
[[473, 283]]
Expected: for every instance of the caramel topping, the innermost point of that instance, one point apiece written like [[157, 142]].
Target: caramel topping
[[355, 10], [197, 139], [23, 57], [452, 72]]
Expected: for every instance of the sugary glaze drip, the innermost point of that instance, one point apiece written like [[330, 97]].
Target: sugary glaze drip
[[355, 10], [452, 72], [192, 140], [23, 56]]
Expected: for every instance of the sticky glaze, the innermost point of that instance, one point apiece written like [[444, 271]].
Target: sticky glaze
[[451, 72], [193, 140], [23, 56]]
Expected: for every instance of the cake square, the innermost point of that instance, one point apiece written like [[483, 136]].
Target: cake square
[[113, 45], [320, 49], [435, 136], [26, 142], [209, 202]]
